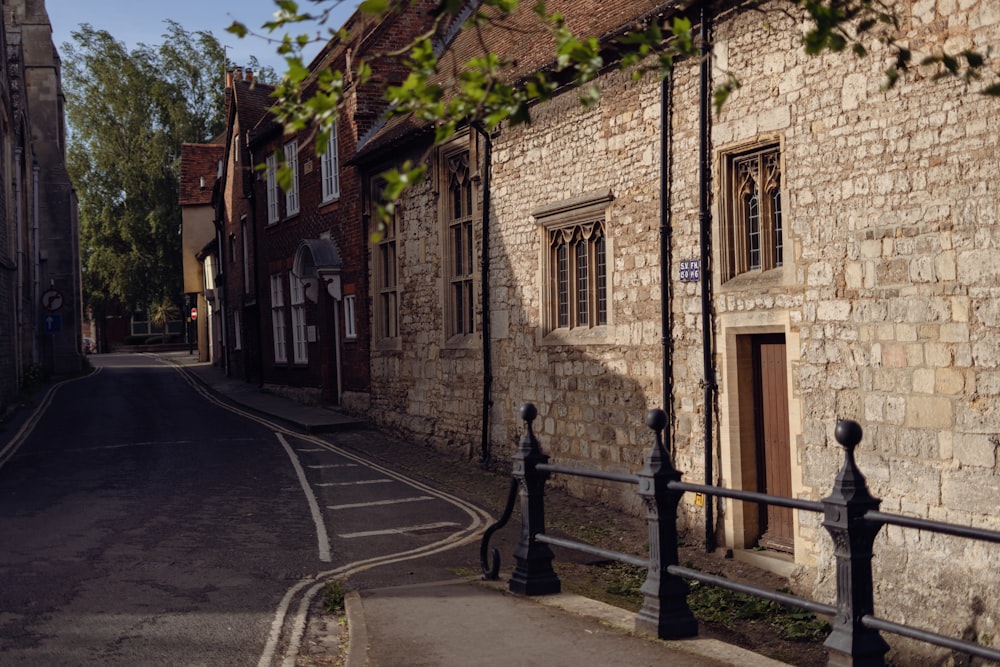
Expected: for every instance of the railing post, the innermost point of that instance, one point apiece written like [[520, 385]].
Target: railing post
[[665, 612], [533, 573], [850, 644]]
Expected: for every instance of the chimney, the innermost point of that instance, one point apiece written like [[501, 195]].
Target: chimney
[[248, 75], [229, 80], [239, 73]]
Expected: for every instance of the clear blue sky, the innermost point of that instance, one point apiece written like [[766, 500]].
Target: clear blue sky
[[134, 21]]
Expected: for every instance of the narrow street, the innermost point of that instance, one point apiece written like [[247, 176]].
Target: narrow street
[[145, 521]]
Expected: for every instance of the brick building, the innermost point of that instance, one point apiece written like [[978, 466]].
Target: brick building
[[247, 102], [310, 238], [827, 251]]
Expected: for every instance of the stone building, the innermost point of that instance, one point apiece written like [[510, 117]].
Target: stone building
[[819, 248], [40, 307]]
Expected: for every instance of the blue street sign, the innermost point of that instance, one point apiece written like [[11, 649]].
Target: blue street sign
[[690, 270], [53, 323]]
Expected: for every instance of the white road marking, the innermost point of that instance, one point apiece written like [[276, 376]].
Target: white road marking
[[15, 443], [375, 503], [321, 536], [359, 482], [310, 451], [324, 466], [400, 531], [478, 520]]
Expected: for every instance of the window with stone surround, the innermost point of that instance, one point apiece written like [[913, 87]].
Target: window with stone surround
[[330, 167], [460, 254], [300, 341], [278, 318], [386, 284], [576, 260], [350, 317], [292, 163], [271, 164], [753, 235]]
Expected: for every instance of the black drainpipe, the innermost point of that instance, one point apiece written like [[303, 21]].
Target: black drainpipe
[[705, 223], [484, 448], [666, 232]]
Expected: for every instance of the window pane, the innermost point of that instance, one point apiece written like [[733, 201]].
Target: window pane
[[751, 205], [779, 252], [562, 284], [468, 248], [458, 252], [582, 285], [350, 323], [292, 163], [601, 269]]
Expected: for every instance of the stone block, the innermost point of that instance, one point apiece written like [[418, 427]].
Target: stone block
[[974, 449], [929, 412], [949, 381], [924, 380], [986, 352], [955, 332], [972, 489], [833, 311]]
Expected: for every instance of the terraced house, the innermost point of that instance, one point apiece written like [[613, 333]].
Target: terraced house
[[818, 248]]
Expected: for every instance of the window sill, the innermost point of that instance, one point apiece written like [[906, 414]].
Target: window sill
[[579, 336], [389, 344], [756, 279], [464, 342]]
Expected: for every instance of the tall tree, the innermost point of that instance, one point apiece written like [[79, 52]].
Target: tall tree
[[129, 112]]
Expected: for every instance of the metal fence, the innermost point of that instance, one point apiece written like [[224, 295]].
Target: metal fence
[[850, 514]]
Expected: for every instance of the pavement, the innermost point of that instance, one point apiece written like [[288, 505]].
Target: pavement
[[465, 621]]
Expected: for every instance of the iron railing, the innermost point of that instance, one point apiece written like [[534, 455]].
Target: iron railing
[[850, 514]]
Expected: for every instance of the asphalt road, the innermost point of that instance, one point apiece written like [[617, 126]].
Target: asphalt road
[[145, 522]]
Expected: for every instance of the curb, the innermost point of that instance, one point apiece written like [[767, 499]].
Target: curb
[[357, 630]]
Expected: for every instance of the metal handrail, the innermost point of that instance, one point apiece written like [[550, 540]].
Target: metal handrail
[[850, 514]]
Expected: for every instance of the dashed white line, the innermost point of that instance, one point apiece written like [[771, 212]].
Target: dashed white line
[[379, 502], [324, 466], [400, 531]]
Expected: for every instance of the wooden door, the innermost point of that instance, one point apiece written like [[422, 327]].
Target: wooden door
[[774, 462]]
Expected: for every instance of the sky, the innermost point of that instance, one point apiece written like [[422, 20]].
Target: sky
[[134, 21]]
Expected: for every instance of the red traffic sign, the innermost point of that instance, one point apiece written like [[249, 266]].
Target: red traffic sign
[[52, 300], [194, 314]]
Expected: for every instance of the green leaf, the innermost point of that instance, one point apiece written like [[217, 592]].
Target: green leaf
[[374, 6], [238, 29]]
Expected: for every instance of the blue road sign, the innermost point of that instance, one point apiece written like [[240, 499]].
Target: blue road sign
[[53, 323]]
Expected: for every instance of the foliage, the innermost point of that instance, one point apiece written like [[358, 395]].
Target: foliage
[[481, 94], [729, 609], [35, 376], [163, 312], [333, 596], [711, 604], [129, 113], [477, 92]]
